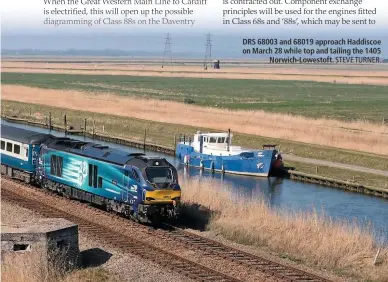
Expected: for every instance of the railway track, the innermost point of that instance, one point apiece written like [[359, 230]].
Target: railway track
[[126, 243], [270, 269]]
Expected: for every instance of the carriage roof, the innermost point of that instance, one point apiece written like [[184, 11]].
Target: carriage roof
[[23, 135]]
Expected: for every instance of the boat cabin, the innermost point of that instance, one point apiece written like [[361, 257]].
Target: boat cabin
[[212, 141]]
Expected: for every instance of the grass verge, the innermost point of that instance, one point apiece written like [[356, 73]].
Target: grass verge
[[309, 238], [31, 267], [366, 179], [163, 134]]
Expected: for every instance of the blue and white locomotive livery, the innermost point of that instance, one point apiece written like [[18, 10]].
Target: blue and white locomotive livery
[[135, 185]]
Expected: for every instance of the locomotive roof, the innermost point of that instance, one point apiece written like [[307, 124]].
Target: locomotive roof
[[23, 135], [97, 151]]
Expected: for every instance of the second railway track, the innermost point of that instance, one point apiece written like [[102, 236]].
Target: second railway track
[[271, 268], [256, 268]]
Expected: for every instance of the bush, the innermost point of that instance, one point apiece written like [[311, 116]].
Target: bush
[[188, 101]]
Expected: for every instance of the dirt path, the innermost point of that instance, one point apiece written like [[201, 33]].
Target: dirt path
[[288, 157]]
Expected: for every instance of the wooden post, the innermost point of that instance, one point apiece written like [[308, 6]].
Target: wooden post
[[376, 257], [228, 144], [84, 126], [94, 128], [103, 129], [316, 170], [145, 136], [65, 123], [50, 125]]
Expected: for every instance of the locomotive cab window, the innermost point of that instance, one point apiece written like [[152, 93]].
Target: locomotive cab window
[[159, 175], [9, 147], [2, 145], [16, 149]]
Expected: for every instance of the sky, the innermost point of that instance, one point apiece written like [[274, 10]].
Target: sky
[[22, 25]]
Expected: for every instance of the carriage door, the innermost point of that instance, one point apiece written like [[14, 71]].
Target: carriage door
[[125, 191], [40, 163]]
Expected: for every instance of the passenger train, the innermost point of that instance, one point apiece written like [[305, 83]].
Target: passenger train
[[141, 187]]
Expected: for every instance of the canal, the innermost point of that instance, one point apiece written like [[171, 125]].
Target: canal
[[286, 194]]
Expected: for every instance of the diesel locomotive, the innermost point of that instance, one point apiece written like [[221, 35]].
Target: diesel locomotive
[[135, 185]]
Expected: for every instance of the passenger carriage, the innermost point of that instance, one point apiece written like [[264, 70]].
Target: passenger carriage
[[19, 152]]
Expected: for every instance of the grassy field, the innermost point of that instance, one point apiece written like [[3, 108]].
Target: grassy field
[[163, 134], [310, 99]]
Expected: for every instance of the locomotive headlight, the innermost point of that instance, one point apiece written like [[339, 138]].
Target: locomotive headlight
[[150, 199]]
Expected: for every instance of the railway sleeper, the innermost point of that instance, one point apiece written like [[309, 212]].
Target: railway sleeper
[[62, 189]]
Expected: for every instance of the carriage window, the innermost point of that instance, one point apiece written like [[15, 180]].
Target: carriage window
[[9, 147], [213, 140], [27, 152], [2, 145], [99, 182], [16, 149], [221, 139]]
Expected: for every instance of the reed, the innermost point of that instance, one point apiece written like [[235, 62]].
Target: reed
[[316, 240], [359, 135]]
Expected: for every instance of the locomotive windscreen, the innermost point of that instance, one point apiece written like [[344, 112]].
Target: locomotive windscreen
[[157, 171], [160, 175]]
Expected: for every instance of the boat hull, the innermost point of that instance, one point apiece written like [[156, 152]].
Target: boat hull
[[252, 163]]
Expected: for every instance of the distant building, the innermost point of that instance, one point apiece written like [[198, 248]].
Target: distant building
[[216, 64]]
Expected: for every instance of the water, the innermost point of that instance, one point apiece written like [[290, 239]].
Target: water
[[286, 194]]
